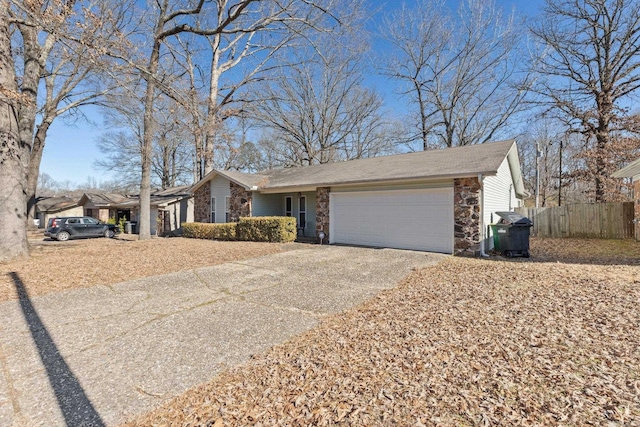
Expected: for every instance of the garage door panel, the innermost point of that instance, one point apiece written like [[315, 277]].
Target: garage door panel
[[409, 219]]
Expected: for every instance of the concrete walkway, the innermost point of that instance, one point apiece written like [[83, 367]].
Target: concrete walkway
[[100, 355]]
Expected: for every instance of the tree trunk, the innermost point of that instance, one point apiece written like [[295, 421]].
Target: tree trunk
[[34, 169], [166, 165], [601, 168], [28, 108], [144, 222], [212, 107], [603, 142], [14, 154]]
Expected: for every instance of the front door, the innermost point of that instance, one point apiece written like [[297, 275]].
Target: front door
[[166, 222]]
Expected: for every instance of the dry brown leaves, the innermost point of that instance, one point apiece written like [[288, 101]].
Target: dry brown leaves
[[587, 251], [57, 266], [467, 342]]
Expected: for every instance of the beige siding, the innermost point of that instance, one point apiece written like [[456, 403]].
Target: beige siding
[[44, 217]]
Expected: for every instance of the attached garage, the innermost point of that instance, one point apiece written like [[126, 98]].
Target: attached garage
[[434, 200], [418, 219]]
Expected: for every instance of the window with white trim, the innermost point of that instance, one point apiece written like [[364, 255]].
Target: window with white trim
[[213, 209], [288, 206], [227, 209], [302, 220]]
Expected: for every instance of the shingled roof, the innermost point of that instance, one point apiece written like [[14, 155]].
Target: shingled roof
[[103, 199], [457, 162], [159, 198], [55, 204]]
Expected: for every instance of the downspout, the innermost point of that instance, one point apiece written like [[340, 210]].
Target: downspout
[[483, 254]]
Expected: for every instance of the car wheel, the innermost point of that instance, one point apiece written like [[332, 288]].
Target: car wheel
[[109, 233], [63, 236]]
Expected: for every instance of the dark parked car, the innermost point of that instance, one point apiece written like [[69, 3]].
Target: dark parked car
[[73, 227]]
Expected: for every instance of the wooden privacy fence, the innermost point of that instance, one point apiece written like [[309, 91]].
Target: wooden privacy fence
[[594, 220]]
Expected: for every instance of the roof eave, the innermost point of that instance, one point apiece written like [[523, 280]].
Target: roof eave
[[516, 172], [629, 171], [289, 188]]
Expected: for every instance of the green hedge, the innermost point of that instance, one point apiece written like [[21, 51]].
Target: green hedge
[[267, 229], [280, 229], [203, 230]]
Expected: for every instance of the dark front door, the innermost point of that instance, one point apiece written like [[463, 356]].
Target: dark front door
[[123, 213], [166, 222]]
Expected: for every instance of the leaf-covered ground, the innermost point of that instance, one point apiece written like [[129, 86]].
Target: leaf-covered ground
[[466, 342], [58, 266]]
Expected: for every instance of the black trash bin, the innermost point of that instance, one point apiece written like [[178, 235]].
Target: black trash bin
[[511, 234]]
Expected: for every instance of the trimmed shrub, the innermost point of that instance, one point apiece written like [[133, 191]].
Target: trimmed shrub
[[276, 229], [281, 229], [203, 230]]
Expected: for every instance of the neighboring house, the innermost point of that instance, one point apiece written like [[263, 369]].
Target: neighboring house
[[632, 170], [171, 207], [50, 207], [103, 206], [175, 206], [437, 200]]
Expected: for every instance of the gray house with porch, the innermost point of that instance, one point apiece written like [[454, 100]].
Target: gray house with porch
[[437, 200]]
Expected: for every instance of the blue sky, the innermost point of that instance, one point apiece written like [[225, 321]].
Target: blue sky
[[70, 150]]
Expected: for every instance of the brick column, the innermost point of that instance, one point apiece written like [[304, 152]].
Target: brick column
[[240, 202], [466, 215], [322, 212], [202, 203]]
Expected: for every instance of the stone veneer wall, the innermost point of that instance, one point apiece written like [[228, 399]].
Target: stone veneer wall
[[202, 203], [636, 207], [466, 216], [322, 212], [240, 202]]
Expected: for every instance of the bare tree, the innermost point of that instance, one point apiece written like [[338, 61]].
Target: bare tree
[[591, 71], [246, 51], [461, 73], [71, 75], [35, 28], [317, 111], [540, 157], [235, 19], [14, 152], [121, 145]]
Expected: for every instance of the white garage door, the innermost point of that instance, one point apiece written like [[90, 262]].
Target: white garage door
[[405, 219]]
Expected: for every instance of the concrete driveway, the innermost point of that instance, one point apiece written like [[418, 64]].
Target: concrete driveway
[[100, 355]]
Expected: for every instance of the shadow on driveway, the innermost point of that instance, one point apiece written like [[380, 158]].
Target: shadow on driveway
[[76, 407]]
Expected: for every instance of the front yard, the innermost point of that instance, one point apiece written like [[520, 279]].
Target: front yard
[[554, 340], [551, 340], [56, 266]]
